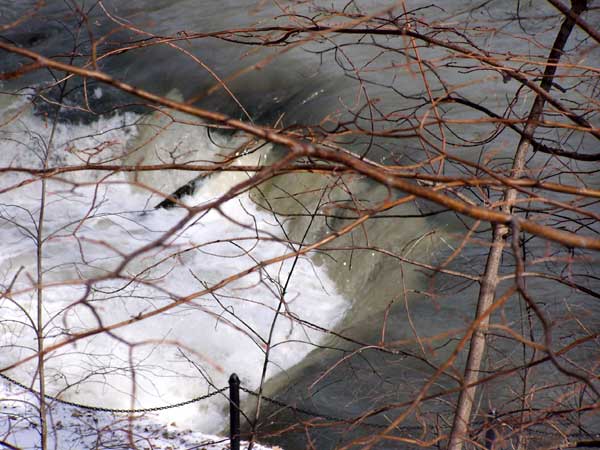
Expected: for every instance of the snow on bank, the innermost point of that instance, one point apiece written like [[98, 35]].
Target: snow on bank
[[79, 429]]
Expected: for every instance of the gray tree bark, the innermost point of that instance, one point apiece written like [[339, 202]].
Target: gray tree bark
[[489, 282]]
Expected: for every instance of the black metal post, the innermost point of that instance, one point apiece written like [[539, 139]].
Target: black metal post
[[234, 411], [490, 434]]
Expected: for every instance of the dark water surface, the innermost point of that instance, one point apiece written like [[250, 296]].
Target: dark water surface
[[389, 298]]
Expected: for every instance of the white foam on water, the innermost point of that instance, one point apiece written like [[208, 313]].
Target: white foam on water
[[94, 218]]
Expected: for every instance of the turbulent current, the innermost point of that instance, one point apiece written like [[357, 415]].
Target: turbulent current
[[91, 220], [357, 324]]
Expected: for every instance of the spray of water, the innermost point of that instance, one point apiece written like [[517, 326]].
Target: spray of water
[[94, 218]]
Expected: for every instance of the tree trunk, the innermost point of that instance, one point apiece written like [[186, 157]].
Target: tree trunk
[[489, 281]]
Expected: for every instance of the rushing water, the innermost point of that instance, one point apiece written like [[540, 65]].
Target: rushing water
[[92, 219]]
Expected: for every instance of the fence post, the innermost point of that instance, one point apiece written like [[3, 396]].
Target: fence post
[[490, 434], [234, 411]]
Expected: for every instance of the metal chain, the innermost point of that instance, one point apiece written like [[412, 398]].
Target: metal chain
[[220, 391], [114, 410], [293, 408], [479, 422], [187, 402], [324, 416]]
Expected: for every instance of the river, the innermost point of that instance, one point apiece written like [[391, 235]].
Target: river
[[360, 286]]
